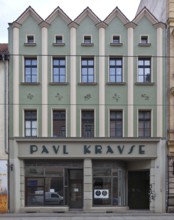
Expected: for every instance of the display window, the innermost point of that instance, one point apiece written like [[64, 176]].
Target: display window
[[108, 184]]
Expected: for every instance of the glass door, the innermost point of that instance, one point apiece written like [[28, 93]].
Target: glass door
[[75, 188]]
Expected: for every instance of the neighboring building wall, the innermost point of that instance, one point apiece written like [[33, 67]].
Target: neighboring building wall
[[136, 44], [170, 103], [3, 128]]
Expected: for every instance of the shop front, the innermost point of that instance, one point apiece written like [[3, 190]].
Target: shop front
[[88, 175]]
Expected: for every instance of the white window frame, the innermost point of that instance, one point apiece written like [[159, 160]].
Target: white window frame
[[151, 70], [30, 35], [122, 68], [80, 62], [116, 35], [57, 56], [87, 35], [58, 35]]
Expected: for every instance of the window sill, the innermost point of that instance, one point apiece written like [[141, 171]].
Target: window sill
[[58, 83], [87, 84], [87, 44], [30, 44], [144, 45], [116, 84], [30, 83], [116, 44], [59, 44], [144, 83]]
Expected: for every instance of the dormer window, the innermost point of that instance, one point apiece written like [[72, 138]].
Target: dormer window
[[87, 41], [30, 39], [144, 41]]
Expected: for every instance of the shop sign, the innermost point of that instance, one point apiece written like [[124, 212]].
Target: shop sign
[[88, 149]]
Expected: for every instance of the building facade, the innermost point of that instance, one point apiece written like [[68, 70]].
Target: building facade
[[87, 125], [3, 127]]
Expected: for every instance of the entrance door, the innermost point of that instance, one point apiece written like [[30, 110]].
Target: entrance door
[[75, 188], [138, 189]]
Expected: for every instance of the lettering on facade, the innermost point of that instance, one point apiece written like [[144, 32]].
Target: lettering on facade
[[90, 149]]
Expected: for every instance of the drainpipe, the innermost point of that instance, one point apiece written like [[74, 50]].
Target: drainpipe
[[4, 59]]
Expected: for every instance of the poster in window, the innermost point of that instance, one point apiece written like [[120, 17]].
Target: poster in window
[[3, 187]]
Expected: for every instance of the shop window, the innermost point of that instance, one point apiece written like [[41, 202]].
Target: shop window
[[59, 123], [115, 70], [116, 123], [87, 70], [108, 185], [30, 123], [30, 74], [88, 123], [144, 128], [144, 70], [59, 70]]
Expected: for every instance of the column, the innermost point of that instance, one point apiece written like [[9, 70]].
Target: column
[[44, 82], [87, 184], [130, 108], [101, 82], [16, 81], [73, 103], [159, 82]]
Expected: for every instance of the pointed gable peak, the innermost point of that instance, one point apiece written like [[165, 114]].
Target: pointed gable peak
[[58, 12], [27, 13], [87, 12], [145, 13], [116, 13]]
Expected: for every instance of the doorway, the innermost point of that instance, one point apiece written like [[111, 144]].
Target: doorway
[[75, 197], [138, 189]]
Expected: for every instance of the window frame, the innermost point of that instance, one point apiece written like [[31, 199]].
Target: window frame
[[116, 120], [116, 41], [58, 69], [93, 132], [145, 121], [31, 126], [144, 68], [87, 67], [115, 67], [65, 123], [31, 75]]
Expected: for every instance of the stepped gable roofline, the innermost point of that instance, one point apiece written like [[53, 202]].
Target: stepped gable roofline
[[58, 12], [116, 13], [28, 12], [145, 12], [87, 12]]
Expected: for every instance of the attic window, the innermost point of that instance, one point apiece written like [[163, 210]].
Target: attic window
[[58, 41], [30, 39], [115, 41], [87, 41], [144, 41]]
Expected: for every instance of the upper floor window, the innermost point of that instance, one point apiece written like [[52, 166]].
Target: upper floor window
[[87, 70], [59, 70], [59, 39], [116, 39], [30, 123], [87, 123], [59, 123], [30, 75], [144, 127], [116, 123], [115, 70], [144, 70], [30, 39]]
